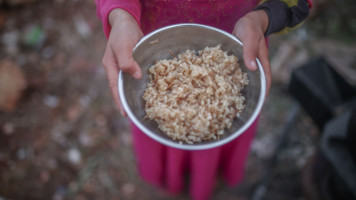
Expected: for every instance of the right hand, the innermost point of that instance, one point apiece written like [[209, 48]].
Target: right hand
[[125, 34], [250, 30]]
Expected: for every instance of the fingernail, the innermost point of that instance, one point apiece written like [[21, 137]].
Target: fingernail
[[253, 64], [137, 75]]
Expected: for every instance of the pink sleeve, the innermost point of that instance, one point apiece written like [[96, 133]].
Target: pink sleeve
[[104, 7]]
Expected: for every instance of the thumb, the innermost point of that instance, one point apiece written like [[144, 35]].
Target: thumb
[[250, 53]]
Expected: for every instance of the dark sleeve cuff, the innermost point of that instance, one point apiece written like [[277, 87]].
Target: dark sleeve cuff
[[278, 14], [281, 16]]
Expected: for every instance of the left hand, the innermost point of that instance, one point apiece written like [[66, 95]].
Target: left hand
[[250, 30]]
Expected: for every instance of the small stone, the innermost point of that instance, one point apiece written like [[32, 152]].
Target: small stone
[[85, 101], [44, 176], [12, 85], [82, 27], [263, 147], [51, 101], [8, 128], [128, 189], [74, 112], [85, 139], [21, 154], [47, 52], [10, 41], [74, 156]]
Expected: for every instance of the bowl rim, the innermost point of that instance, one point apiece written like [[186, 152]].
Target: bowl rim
[[195, 146]]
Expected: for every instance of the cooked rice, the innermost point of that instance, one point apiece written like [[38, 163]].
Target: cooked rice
[[195, 97]]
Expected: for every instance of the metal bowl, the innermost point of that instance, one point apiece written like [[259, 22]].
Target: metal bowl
[[177, 39]]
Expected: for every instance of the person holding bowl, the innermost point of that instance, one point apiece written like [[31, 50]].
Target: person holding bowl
[[125, 22]]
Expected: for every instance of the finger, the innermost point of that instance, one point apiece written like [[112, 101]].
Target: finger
[[112, 74], [131, 67], [113, 77], [250, 51], [127, 63], [263, 57]]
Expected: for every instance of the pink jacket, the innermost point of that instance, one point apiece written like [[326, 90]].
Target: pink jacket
[[153, 14]]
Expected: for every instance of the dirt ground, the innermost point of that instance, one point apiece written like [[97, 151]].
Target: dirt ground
[[64, 138]]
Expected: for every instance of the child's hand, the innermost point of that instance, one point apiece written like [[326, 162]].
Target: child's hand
[[250, 30], [124, 35]]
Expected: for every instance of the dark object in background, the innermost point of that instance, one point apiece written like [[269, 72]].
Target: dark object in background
[[331, 102], [337, 151], [321, 91], [331, 173]]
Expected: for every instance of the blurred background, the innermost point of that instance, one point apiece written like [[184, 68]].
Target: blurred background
[[61, 136]]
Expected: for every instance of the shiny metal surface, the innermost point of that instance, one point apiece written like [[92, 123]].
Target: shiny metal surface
[[178, 38]]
